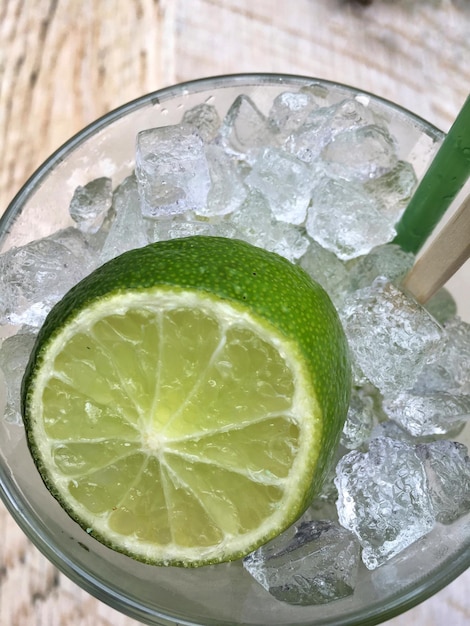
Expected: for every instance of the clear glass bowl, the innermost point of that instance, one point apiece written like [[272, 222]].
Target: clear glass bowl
[[224, 594]]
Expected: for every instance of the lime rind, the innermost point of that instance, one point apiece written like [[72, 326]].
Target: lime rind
[[249, 287]]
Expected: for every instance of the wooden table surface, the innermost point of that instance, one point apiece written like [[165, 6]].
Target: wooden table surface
[[63, 63]]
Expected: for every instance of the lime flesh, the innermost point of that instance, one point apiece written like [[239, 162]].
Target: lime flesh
[[182, 402]]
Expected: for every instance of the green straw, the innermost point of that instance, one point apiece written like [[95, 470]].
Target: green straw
[[443, 180]]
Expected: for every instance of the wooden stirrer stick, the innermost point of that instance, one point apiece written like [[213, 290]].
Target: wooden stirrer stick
[[445, 255]]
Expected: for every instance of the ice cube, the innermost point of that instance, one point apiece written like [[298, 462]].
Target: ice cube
[[129, 228], [363, 414], [203, 119], [172, 171], [35, 276], [323, 124], [14, 356], [289, 110], [383, 498], [286, 183], [245, 129], [388, 261], [311, 563], [394, 189], [227, 191], [284, 239], [435, 413], [90, 204], [391, 429], [175, 229], [442, 306], [81, 246], [360, 153], [450, 371], [344, 219], [325, 267], [447, 466], [256, 225], [347, 114], [391, 336]]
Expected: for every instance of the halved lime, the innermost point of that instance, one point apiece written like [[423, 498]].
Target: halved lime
[[183, 401]]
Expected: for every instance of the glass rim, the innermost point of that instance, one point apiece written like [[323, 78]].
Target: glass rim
[[376, 613]]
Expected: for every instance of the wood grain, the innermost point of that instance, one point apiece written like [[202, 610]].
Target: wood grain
[[63, 63]]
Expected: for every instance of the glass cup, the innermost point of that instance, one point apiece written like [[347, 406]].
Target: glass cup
[[225, 594]]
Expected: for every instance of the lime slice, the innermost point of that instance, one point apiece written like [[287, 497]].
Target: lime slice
[[183, 401]]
